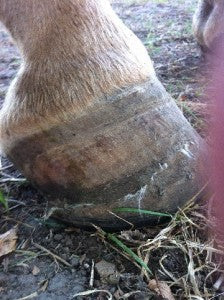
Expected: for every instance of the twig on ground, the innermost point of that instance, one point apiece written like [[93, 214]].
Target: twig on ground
[[91, 281], [90, 292], [6, 218], [31, 296], [6, 167], [56, 257], [12, 179]]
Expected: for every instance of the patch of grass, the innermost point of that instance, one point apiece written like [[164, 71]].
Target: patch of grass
[[154, 50], [196, 120], [175, 88], [184, 31], [151, 44], [187, 28]]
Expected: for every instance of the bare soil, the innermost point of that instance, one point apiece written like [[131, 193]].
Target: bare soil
[[165, 29]]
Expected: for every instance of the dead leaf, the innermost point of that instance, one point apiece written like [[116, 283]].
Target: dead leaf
[[8, 241], [35, 270], [161, 288]]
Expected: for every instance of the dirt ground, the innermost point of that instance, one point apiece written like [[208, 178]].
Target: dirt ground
[[53, 261]]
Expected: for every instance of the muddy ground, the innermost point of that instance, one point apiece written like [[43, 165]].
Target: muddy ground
[[165, 29]]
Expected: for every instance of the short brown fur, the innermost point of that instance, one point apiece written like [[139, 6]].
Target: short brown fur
[[208, 22], [74, 52]]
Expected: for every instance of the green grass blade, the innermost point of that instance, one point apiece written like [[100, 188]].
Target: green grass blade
[[142, 211], [126, 249], [3, 201]]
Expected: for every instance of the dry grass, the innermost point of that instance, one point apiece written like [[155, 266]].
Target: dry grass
[[190, 234]]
